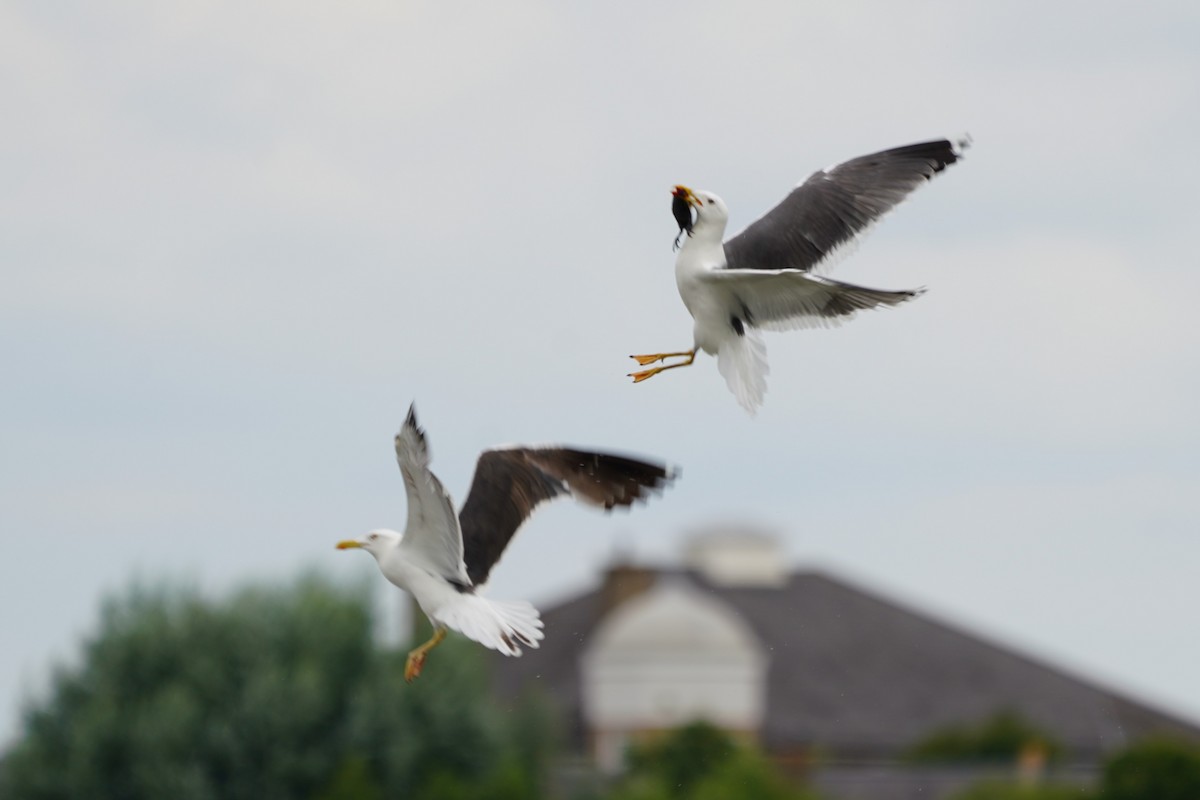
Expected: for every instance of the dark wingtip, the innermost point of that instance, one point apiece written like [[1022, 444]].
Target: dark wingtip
[[410, 421], [943, 153], [640, 478], [937, 153]]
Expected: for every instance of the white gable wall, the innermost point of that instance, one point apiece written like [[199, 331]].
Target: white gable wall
[[665, 658]]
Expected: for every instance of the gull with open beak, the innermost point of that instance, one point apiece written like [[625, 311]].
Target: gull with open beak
[[766, 277]]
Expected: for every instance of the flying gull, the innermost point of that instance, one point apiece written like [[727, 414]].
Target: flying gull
[[442, 559], [766, 277]]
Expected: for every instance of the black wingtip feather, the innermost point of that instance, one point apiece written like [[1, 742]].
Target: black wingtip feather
[[626, 478], [939, 153], [410, 421]]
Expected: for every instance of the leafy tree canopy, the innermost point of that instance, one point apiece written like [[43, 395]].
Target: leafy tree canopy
[[274, 693], [1154, 769], [701, 762], [1001, 737]]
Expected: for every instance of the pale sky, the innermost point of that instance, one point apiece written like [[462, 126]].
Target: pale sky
[[239, 238]]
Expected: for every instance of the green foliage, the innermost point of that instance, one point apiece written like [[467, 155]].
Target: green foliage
[[747, 775], [1155, 769], [272, 694], [685, 756], [351, 781], [1001, 737], [1005, 790], [701, 762]]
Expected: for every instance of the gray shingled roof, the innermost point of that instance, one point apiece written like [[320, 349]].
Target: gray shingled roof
[[862, 677]]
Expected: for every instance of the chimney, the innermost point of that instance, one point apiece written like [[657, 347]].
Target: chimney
[[729, 556], [623, 580]]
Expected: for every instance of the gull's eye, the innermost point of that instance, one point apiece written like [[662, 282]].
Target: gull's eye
[[373, 536], [710, 202]]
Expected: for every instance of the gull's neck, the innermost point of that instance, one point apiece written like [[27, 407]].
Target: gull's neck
[[704, 243], [708, 230]]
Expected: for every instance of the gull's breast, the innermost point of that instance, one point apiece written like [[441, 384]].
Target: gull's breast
[[705, 301]]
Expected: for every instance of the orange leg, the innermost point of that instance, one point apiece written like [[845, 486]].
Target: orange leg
[[416, 659], [638, 377], [650, 359]]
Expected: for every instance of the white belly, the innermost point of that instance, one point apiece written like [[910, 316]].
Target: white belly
[[430, 592], [707, 304]]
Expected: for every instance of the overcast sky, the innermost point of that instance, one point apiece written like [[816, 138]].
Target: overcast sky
[[239, 238]]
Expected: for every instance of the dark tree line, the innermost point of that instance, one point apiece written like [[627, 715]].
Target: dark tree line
[[273, 694]]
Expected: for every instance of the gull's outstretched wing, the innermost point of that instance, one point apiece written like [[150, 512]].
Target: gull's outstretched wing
[[836, 205], [792, 298], [511, 482], [431, 537]]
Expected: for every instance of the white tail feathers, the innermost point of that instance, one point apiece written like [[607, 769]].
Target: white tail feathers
[[503, 626], [742, 361]]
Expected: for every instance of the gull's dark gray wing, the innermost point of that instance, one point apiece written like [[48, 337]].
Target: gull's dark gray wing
[[510, 483], [835, 205]]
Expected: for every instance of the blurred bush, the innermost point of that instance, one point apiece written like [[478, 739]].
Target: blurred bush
[[1001, 737], [274, 693], [1154, 769], [701, 762]]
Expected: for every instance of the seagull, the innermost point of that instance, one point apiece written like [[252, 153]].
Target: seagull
[[443, 559], [767, 277]]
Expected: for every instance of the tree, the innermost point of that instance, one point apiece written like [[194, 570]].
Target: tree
[[275, 693], [701, 762], [1000, 737], [1154, 769], [684, 757]]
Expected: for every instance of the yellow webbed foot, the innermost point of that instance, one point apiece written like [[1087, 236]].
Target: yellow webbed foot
[[416, 659], [413, 666], [638, 377]]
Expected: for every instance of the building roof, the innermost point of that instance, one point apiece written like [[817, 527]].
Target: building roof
[[856, 675]]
